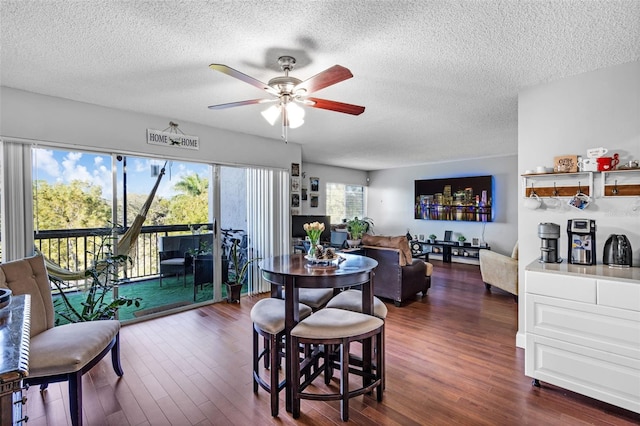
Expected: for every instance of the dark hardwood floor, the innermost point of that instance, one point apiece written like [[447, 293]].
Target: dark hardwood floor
[[451, 359]]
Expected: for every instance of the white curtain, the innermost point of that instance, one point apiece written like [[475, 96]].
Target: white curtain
[[267, 220], [17, 201]]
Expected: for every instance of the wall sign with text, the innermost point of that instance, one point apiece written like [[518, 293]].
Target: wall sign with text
[[173, 139]]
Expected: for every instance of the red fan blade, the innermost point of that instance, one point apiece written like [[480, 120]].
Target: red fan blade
[[326, 78], [334, 106], [247, 79], [241, 103]]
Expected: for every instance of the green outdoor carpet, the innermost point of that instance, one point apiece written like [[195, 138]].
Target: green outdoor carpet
[[154, 298]]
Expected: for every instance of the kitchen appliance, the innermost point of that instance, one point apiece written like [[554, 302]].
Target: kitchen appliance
[[582, 241], [549, 234], [617, 251]]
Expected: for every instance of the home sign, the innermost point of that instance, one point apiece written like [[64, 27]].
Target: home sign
[[173, 139]]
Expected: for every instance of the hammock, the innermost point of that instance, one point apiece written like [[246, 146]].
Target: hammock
[[126, 242]]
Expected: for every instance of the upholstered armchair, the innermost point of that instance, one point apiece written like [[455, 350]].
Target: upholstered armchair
[[500, 271], [398, 276], [65, 352]]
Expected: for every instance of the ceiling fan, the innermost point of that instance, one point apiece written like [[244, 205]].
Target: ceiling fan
[[289, 92]]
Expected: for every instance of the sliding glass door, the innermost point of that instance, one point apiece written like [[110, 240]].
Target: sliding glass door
[[176, 220]]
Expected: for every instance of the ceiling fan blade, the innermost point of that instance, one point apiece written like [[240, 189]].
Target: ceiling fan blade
[[240, 76], [241, 103], [334, 106], [326, 78]]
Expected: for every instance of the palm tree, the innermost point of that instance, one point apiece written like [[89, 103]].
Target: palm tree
[[192, 185]]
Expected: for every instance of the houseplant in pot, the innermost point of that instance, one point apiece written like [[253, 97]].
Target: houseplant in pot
[[432, 238], [461, 240], [101, 279], [357, 228], [239, 272]]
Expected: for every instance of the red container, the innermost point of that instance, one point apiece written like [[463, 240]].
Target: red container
[[607, 163]]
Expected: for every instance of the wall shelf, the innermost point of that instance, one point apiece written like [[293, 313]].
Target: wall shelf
[[557, 184], [621, 183]]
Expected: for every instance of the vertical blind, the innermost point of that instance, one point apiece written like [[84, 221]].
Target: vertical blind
[[17, 201], [267, 220]]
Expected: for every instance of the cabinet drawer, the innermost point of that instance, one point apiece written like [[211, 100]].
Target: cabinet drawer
[[619, 295], [611, 378], [562, 286], [611, 330]]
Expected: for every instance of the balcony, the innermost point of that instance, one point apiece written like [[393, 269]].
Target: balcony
[[74, 250]]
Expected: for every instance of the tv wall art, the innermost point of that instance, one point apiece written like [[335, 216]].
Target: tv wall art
[[468, 199]]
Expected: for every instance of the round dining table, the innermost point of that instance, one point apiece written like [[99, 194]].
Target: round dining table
[[293, 272]]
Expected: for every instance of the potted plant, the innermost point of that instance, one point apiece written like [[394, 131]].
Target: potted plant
[[432, 238], [461, 240], [101, 280], [357, 228], [239, 271]]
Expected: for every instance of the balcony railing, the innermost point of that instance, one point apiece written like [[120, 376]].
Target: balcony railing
[[74, 249]]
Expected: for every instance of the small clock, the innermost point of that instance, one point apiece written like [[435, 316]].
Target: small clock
[[416, 247]]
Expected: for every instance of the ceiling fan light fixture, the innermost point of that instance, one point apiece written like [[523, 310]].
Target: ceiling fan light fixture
[[271, 114], [289, 92], [295, 114]]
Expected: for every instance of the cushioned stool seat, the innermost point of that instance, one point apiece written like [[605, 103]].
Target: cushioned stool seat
[[268, 316], [316, 298], [351, 300], [340, 327]]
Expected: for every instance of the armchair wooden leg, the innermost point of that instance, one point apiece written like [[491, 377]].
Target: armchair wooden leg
[[115, 356], [75, 398]]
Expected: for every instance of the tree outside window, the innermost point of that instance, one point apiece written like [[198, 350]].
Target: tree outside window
[[344, 201]]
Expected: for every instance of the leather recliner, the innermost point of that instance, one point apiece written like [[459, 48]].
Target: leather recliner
[[398, 276]]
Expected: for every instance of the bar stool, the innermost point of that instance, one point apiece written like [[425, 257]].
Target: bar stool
[[351, 300], [315, 298], [268, 321], [338, 327]]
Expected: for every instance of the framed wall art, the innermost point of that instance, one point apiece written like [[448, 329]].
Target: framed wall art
[[295, 184], [295, 169], [468, 199], [314, 183]]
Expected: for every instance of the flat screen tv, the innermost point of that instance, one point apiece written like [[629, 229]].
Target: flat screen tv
[[468, 199], [298, 221]]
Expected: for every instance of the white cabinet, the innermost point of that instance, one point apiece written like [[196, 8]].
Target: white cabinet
[[583, 333]]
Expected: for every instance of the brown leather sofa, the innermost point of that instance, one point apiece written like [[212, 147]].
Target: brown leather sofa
[[398, 276]]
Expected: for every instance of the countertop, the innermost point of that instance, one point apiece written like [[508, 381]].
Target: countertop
[[592, 271], [14, 335]]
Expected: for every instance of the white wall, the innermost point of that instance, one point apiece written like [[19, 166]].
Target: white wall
[[37, 117], [327, 174], [599, 108], [391, 200]]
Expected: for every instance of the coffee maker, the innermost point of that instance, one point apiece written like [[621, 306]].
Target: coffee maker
[[549, 234], [582, 241]]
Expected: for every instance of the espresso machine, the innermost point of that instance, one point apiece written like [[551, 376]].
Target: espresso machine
[[549, 234], [582, 241]]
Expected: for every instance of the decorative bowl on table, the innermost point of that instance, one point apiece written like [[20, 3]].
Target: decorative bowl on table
[[5, 297], [324, 257]]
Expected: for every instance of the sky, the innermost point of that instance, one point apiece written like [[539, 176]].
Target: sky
[[65, 166]]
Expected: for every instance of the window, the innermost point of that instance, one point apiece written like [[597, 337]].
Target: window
[[344, 201]]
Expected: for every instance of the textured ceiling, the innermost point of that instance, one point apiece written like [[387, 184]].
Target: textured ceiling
[[439, 79]]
